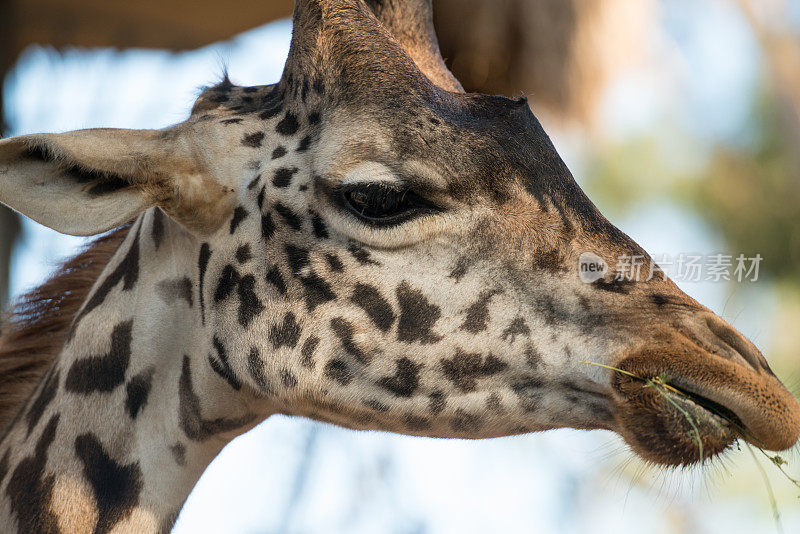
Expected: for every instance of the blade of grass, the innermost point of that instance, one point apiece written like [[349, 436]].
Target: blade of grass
[[662, 381], [612, 368], [772, 502], [695, 431], [779, 462]]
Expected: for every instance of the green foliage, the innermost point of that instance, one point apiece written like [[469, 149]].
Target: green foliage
[[639, 171], [749, 194], [752, 196]]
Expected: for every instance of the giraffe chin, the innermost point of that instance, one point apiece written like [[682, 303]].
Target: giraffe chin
[[672, 428]]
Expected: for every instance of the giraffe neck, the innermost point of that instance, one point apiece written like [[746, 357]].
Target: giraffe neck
[[123, 424]]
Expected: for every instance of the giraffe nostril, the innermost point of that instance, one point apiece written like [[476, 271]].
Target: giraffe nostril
[[736, 341]]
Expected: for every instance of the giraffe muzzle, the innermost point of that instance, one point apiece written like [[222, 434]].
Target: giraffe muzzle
[[690, 395]]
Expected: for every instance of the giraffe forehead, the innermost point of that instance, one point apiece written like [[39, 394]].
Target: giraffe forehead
[[470, 143]]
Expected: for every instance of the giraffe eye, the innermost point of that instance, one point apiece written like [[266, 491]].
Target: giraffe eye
[[383, 204]]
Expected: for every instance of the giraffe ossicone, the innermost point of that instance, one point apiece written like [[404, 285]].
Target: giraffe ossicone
[[361, 243]]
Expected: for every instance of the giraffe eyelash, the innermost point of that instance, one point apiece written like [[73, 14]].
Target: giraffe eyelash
[[382, 204]]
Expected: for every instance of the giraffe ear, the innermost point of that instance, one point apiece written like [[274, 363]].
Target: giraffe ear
[[89, 181], [411, 23]]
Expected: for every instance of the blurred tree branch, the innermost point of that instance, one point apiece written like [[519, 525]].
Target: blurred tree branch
[[782, 50], [562, 53], [301, 478]]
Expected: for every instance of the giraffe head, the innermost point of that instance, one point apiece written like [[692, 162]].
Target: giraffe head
[[373, 247]]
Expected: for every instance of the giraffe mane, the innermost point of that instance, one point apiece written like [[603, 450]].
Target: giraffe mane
[[35, 328]]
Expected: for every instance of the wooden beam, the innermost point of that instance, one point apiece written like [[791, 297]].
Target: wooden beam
[[168, 24]]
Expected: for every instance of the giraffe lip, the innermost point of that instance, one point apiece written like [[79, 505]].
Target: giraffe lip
[[753, 402], [687, 395], [681, 391], [672, 425]]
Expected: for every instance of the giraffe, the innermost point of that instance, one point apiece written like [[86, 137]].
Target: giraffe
[[362, 243]]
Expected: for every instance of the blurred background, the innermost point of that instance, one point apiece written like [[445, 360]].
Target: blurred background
[[681, 120]]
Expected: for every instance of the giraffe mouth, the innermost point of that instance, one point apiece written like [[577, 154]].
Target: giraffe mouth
[[715, 410], [681, 408], [672, 425]]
